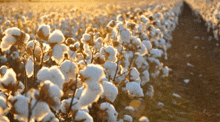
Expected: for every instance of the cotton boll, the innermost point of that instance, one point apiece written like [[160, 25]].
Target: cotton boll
[[156, 52], [129, 108], [29, 67], [44, 74], [3, 59], [3, 102], [90, 94], [134, 74], [128, 118], [110, 53], [79, 92], [7, 42], [65, 104], [3, 70], [82, 115], [13, 31], [41, 110], [110, 110], [50, 117], [145, 77], [56, 37], [135, 41], [43, 31], [143, 119], [165, 71], [144, 19], [58, 54], [51, 94], [142, 49], [124, 36], [140, 62], [110, 68], [69, 68], [20, 107], [56, 76], [134, 89], [8, 79], [150, 91], [110, 91]]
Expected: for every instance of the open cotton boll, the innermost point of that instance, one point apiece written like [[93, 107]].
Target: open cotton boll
[[129, 108], [3, 70], [40, 110], [56, 76], [110, 68], [134, 74], [135, 41], [147, 44], [110, 53], [29, 67], [144, 19], [143, 119], [150, 91], [165, 71], [124, 36], [134, 89], [145, 77], [51, 94], [156, 52], [43, 31], [50, 117], [3, 102], [110, 109], [8, 79], [7, 42], [70, 68], [110, 91], [44, 74], [56, 37], [20, 107], [82, 115], [154, 60], [140, 62], [65, 104], [58, 54], [13, 31], [90, 94], [79, 92], [142, 49], [128, 118]]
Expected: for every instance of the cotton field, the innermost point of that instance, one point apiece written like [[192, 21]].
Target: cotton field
[[85, 63]]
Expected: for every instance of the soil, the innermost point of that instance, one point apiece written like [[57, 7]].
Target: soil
[[190, 45]]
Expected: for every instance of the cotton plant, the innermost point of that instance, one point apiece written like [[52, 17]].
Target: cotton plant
[[9, 83], [110, 53], [13, 36], [111, 114], [91, 77], [54, 74], [110, 91], [55, 39]]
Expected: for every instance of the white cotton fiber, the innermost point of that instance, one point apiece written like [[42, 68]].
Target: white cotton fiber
[[58, 54], [40, 110], [110, 109], [134, 74], [128, 118], [65, 105], [110, 91], [13, 31], [56, 37], [8, 78], [125, 36], [7, 42], [81, 115], [143, 119], [134, 89], [50, 117], [29, 67]]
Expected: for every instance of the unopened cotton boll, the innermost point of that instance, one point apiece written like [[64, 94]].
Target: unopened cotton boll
[[82, 115], [134, 89], [56, 37], [110, 109], [110, 91], [29, 67]]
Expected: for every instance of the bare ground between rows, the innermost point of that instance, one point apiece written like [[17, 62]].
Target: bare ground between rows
[[203, 88]]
